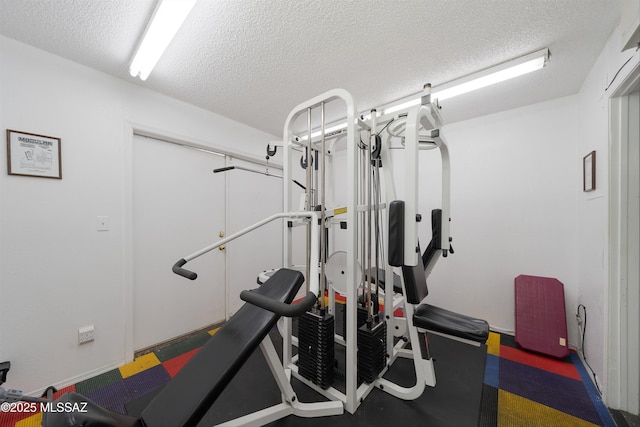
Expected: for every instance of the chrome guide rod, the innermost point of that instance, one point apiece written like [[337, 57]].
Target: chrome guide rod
[[309, 196], [369, 214], [376, 188], [362, 217], [323, 234]]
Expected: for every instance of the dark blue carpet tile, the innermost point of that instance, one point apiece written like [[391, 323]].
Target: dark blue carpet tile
[[556, 391], [492, 371], [605, 416], [112, 396], [146, 381]]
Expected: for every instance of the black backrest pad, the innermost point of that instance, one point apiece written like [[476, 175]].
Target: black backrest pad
[[190, 394], [415, 281], [436, 236], [396, 233]]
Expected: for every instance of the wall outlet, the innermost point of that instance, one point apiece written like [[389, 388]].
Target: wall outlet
[[85, 334]]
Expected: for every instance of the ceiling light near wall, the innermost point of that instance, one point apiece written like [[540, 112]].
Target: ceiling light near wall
[[165, 23], [487, 77], [490, 76]]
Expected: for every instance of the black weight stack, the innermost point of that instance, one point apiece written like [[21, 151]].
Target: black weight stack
[[372, 349], [316, 355]]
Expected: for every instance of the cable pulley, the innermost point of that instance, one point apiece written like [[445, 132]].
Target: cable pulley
[[303, 161]]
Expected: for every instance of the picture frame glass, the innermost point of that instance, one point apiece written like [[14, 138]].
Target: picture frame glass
[[589, 172], [30, 154]]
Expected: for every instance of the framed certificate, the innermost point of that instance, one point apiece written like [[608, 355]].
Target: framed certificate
[[589, 172], [29, 154]]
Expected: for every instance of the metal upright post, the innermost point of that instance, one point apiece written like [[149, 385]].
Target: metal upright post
[[352, 249]]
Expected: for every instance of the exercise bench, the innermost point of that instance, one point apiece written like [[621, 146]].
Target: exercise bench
[[190, 394]]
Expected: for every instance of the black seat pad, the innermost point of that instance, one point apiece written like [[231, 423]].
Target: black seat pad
[[447, 322]]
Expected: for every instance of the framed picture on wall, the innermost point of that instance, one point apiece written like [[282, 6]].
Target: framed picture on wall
[[29, 154], [589, 172]]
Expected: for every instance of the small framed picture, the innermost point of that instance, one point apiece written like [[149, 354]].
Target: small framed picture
[[29, 154], [589, 172]]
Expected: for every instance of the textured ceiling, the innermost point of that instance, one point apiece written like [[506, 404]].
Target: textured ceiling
[[254, 60]]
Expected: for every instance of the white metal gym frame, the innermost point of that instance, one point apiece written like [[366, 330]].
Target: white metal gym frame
[[425, 116], [290, 404], [358, 215]]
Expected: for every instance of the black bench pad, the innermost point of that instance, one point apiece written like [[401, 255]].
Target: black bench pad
[[447, 322], [190, 394]]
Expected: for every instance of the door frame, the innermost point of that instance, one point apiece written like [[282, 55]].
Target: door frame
[[131, 129], [622, 338]]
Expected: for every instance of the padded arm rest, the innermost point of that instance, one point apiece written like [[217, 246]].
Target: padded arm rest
[[448, 322], [277, 307]]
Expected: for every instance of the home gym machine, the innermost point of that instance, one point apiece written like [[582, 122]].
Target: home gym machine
[[372, 339], [379, 273]]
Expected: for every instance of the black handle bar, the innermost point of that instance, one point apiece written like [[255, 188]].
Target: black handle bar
[[280, 308], [177, 268], [228, 168]]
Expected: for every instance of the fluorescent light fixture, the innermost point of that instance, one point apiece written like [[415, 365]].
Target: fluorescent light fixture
[[487, 77], [326, 131], [165, 22], [484, 78]]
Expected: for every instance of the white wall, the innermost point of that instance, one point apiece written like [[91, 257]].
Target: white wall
[[515, 177], [57, 272], [592, 216]]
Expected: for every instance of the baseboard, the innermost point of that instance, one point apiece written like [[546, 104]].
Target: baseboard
[[174, 340], [502, 330]]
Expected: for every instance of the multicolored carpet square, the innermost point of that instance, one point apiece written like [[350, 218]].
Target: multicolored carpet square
[[520, 388], [528, 389]]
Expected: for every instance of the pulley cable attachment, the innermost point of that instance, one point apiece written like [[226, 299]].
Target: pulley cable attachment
[[304, 163], [270, 152], [376, 149]]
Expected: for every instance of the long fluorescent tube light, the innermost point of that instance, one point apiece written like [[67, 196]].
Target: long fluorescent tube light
[[487, 77], [165, 22], [326, 131], [490, 76]]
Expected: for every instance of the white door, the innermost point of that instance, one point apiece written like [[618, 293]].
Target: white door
[[178, 208], [252, 197]]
